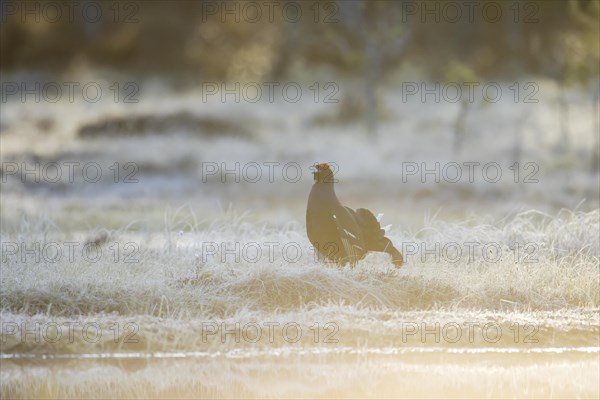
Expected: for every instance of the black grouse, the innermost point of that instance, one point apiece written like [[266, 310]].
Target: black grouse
[[339, 233]]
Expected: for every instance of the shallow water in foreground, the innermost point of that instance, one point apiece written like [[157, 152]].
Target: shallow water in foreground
[[563, 372]]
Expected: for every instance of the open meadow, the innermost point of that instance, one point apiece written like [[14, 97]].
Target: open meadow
[[154, 240], [182, 282]]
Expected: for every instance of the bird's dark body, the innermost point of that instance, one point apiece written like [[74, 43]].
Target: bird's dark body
[[322, 229], [339, 233]]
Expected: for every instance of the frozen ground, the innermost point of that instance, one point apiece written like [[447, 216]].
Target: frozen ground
[[499, 296]]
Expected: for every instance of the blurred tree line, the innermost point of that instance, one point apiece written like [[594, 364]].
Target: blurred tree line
[[557, 39], [188, 42]]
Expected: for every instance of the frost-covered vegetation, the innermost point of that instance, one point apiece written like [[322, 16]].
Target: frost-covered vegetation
[[182, 268]]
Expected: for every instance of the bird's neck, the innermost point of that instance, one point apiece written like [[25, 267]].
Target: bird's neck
[[324, 190]]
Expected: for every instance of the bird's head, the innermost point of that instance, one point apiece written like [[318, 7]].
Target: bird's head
[[323, 173]]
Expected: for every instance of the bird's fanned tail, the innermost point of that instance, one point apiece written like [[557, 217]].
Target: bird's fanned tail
[[375, 235]]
